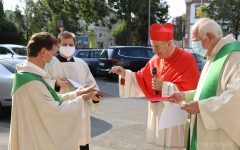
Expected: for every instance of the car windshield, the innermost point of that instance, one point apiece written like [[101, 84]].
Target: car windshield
[[20, 50], [95, 54], [9, 64], [82, 54], [106, 53], [133, 52]]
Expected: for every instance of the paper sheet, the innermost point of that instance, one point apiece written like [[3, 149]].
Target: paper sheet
[[172, 115], [75, 83], [79, 85]]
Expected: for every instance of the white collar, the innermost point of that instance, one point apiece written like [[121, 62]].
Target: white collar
[[32, 68], [223, 41]]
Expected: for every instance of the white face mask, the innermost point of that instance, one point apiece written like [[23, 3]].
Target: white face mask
[[47, 61], [67, 51], [197, 46]]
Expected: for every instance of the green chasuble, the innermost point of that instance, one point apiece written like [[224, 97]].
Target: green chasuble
[[21, 78], [211, 83]]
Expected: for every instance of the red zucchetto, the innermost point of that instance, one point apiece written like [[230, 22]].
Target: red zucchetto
[[160, 32]]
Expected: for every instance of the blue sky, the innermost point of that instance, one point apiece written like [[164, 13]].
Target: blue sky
[[177, 7]]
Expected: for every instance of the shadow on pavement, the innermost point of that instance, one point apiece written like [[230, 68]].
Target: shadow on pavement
[[99, 126]]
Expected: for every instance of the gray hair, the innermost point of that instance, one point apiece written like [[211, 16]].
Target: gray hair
[[205, 25]]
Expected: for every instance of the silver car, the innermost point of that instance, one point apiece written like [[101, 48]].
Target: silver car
[[13, 50], [7, 70]]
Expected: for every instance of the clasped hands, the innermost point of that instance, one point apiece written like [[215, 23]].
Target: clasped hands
[[191, 107]]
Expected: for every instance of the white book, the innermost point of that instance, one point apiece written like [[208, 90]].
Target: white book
[[172, 115], [75, 83]]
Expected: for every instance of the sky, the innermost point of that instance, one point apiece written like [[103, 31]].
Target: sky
[[177, 7]]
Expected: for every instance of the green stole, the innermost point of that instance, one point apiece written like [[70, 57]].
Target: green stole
[[21, 78], [211, 83]]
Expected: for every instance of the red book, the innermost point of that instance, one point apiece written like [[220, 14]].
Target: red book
[[157, 99]]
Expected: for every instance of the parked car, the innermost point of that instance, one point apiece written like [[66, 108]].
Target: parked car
[[13, 50], [200, 61], [129, 57], [7, 70], [90, 56]]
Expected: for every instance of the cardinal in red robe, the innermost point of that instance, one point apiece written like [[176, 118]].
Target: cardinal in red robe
[[171, 69]]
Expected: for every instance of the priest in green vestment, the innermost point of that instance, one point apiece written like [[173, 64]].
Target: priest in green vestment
[[41, 119], [215, 107]]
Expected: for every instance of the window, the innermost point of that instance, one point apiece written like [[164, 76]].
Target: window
[[83, 54], [104, 54], [134, 52], [20, 51], [150, 53], [4, 50], [95, 54]]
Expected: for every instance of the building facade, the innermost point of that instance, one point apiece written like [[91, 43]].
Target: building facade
[[192, 6]]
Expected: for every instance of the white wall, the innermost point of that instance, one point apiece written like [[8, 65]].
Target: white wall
[[102, 36]]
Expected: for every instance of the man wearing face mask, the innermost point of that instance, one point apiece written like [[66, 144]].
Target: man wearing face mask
[[41, 119], [215, 106], [65, 67], [176, 71]]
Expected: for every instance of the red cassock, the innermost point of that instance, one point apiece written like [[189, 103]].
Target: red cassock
[[180, 69]]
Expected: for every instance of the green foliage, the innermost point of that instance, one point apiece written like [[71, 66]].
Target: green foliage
[[202, 11], [2, 15], [159, 14], [71, 11], [135, 13], [226, 13], [179, 27], [43, 15], [93, 10], [9, 33], [120, 33]]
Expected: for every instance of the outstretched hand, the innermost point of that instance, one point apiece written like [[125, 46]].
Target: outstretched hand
[[89, 95], [85, 89], [118, 70], [62, 82]]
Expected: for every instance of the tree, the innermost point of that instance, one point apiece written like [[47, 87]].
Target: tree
[[8, 30], [1, 10], [135, 13], [125, 10], [226, 13], [159, 14], [120, 32], [71, 11], [179, 28], [93, 10]]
